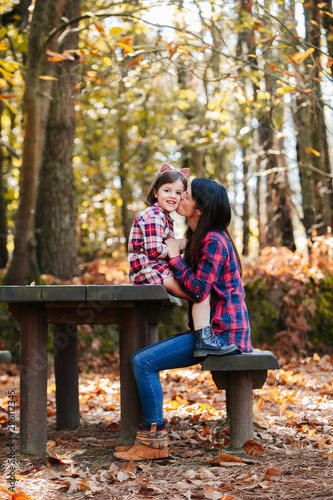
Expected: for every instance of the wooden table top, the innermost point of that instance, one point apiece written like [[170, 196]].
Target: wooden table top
[[86, 293]]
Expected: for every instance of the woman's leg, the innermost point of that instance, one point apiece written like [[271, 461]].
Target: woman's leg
[[175, 352]]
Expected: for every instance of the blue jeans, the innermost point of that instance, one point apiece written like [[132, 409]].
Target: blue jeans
[[174, 352]]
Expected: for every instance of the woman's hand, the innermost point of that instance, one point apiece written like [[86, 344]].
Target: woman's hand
[[174, 247]]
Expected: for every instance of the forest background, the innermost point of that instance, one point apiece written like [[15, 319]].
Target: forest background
[[94, 96]]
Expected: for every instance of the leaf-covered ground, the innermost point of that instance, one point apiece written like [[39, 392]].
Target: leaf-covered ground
[[291, 456]]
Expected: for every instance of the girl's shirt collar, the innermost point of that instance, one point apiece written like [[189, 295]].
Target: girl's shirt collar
[[156, 204]]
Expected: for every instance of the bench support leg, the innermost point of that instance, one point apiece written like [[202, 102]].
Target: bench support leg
[[239, 407], [66, 375], [133, 335], [33, 380]]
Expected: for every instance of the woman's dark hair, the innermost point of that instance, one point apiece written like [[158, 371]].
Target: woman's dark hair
[[166, 178], [212, 199]]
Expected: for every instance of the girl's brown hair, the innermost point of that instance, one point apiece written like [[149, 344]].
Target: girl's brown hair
[[165, 178]]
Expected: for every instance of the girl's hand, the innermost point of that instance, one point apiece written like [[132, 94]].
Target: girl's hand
[[173, 246]]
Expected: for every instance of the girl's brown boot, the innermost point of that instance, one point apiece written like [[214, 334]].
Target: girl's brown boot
[[149, 445]]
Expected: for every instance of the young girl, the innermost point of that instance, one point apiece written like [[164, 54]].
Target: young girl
[[148, 253]]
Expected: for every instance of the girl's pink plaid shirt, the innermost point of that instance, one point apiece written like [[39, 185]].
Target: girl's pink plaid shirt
[[147, 253]]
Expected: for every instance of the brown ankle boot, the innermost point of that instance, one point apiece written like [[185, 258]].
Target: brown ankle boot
[[124, 447], [149, 445], [140, 434]]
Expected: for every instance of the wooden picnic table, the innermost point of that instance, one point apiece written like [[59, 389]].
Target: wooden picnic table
[[136, 309]]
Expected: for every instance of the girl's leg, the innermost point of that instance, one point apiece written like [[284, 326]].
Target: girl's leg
[[172, 286], [201, 313], [206, 342], [200, 310], [175, 352]]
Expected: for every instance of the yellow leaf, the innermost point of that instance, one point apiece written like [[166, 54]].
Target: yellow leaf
[[3, 46], [7, 75], [183, 105], [115, 31], [284, 90], [300, 56], [9, 66], [185, 49], [46, 77], [327, 13], [128, 40], [126, 48], [313, 151], [3, 31], [240, 97]]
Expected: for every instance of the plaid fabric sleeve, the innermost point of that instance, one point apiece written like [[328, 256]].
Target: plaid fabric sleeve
[[153, 231], [211, 258]]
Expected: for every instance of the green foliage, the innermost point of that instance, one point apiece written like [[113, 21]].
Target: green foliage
[[9, 333], [264, 311], [300, 313], [321, 322], [177, 323]]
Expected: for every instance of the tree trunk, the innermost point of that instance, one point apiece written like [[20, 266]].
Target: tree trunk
[[278, 199], [3, 211], [46, 15], [285, 202], [328, 23], [55, 219], [261, 223], [125, 189], [302, 122], [322, 185], [246, 207]]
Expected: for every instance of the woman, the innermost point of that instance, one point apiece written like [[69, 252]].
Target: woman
[[211, 265]]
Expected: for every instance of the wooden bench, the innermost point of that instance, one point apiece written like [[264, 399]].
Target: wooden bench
[[136, 309], [238, 374], [5, 357]]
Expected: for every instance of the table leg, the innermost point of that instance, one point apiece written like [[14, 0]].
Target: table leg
[[33, 380], [133, 335], [152, 333], [239, 407], [66, 375]]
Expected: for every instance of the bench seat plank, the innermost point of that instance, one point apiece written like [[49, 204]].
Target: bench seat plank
[[256, 360]]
